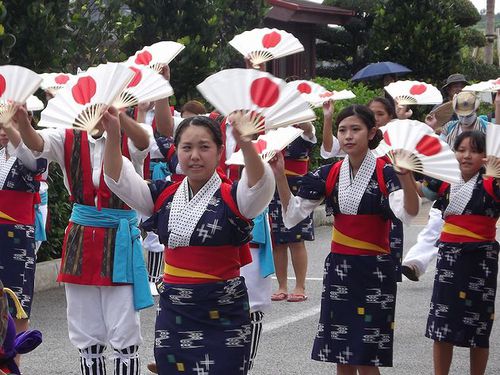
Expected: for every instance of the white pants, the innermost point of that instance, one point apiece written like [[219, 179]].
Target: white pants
[[259, 288], [98, 315], [424, 251]]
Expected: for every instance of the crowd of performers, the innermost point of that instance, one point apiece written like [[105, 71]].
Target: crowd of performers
[[215, 233]]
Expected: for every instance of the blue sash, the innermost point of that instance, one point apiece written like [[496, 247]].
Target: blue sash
[[262, 236], [128, 262], [159, 170], [40, 234]]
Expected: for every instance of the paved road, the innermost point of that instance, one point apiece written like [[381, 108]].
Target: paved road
[[288, 331]]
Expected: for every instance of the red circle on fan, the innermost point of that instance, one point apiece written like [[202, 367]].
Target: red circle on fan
[[418, 89], [143, 58], [84, 90], [271, 40], [429, 145], [304, 88], [3, 84], [137, 77], [387, 139], [61, 79], [264, 92], [260, 145]]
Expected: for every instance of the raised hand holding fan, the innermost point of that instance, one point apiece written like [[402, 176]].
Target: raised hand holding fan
[[261, 45], [268, 144], [414, 92], [493, 150], [145, 86], [16, 85], [156, 56], [82, 103], [259, 100], [413, 145]]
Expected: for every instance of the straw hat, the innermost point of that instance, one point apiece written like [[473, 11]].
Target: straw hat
[[465, 103]]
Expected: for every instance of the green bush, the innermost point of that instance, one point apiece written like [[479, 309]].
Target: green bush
[[363, 96]]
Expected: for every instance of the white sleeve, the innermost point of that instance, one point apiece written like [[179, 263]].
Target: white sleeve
[[298, 209], [253, 200], [396, 202], [137, 156], [333, 152], [155, 153], [53, 145], [311, 139], [26, 157], [132, 189]]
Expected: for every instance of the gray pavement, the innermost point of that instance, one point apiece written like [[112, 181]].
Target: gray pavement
[[288, 331]]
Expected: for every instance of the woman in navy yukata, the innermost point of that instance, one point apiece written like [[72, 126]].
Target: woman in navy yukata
[[364, 194], [203, 321], [463, 298], [18, 196]]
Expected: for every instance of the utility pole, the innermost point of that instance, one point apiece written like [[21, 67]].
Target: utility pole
[[490, 31]]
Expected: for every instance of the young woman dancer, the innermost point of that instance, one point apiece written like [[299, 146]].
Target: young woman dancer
[[463, 299], [203, 320], [364, 194]]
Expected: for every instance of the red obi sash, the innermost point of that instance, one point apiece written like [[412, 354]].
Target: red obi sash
[[204, 264], [468, 228], [360, 235], [18, 207], [294, 167]]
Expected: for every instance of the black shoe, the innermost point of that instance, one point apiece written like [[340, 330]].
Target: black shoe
[[410, 272]]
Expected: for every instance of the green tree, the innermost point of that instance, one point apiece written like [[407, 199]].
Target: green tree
[[420, 34], [204, 27]]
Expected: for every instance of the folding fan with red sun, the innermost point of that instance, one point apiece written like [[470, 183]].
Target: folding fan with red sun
[[16, 85], [414, 92], [157, 55], [492, 85], [261, 45], [53, 82], [258, 99], [268, 144], [316, 94], [146, 86], [412, 145], [82, 102]]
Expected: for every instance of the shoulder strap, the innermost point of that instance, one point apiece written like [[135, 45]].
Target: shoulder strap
[[381, 162], [170, 152], [165, 194], [442, 189], [225, 190], [488, 186], [332, 178]]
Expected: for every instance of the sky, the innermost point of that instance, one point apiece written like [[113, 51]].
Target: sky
[[481, 4]]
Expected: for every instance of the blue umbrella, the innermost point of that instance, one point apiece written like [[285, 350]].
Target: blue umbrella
[[379, 69]]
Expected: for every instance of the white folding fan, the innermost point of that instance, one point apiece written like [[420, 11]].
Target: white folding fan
[[268, 144], [157, 55], [316, 94], [259, 99], [413, 145], [492, 85], [261, 45], [34, 104], [146, 86], [493, 150], [53, 82], [82, 102], [16, 85], [414, 92]]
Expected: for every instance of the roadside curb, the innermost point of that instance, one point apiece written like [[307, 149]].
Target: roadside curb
[[46, 272]]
